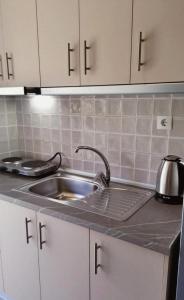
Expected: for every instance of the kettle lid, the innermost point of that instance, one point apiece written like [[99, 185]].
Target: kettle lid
[[172, 158]]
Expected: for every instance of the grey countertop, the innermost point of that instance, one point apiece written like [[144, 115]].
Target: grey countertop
[[154, 226]]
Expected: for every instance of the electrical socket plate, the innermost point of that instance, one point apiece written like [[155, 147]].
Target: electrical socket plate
[[164, 122]]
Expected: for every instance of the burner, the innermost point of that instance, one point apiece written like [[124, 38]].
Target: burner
[[32, 164], [9, 160]]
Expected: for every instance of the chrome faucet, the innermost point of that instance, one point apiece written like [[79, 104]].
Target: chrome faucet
[[100, 177]]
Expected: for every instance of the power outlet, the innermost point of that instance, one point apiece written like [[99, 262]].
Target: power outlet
[[164, 122]]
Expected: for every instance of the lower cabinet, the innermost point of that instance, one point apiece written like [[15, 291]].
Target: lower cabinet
[[53, 260], [45, 258], [123, 271], [63, 259], [18, 240]]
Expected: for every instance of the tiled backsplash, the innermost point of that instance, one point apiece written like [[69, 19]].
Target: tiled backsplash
[[123, 128], [8, 128]]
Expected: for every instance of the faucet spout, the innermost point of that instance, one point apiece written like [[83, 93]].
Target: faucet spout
[[104, 178]]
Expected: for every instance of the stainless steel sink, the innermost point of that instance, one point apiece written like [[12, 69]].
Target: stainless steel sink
[[117, 203], [60, 188]]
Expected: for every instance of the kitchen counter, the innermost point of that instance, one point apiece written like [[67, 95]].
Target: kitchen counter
[[154, 226]]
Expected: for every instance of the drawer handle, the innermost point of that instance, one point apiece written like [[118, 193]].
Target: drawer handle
[[140, 63], [97, 247], [28, 237], [1, 63], [86, 48], [40, 231], [8, 60], [69, 60]]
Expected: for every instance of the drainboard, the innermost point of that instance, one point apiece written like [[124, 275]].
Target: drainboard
[[117, 204]]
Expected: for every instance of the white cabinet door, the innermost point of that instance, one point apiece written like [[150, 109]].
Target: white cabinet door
[[63, 259], [3, 74], [19, 256], [58, 30], [20, 42], [105, 25], [1, 275], [127, 272], [161, 50]]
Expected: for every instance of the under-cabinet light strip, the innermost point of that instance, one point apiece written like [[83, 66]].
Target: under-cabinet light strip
[[161, 88]]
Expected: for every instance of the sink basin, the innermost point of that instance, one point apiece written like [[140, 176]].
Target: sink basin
[[63, 189]]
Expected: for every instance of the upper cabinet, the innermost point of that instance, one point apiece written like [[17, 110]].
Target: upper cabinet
[[104, 45], [158, 42], [91, 42], [58, 27], [105, 41], [19, 60], [2, 53]]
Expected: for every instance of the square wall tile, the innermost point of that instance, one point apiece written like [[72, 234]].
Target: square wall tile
[[127, 173], [129, 107], [100, 140], [100, 107], [145, 107], [162, 107], [55, 121], [128, 142], [143, 144], [88, 106], [159, 146], [114, 124], [115, 171], [152, 178], [129, 125], [89, 123], [114, 157], [65, 107], [144, 126], [75, 107], [127, 159], [176, 147], [155, 162], [141, 176], [113, 107], [114, 142], [76, 138], [142, 161], [3, 120], [88, 138], [65, 122], [178, 127], [101, 124], [178, 107], [76, 122], [66, 137]]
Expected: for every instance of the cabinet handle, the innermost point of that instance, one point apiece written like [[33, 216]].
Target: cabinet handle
[[97, 247], [40, 231], [28, 237], [9, 59], [86, 48], [69, 60], [1, 63], [140, 63]]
